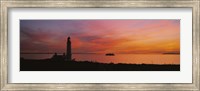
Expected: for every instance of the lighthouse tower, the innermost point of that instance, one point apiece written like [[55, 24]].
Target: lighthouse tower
[[68, 51]]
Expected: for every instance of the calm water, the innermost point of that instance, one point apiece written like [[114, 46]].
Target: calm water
[[118, 58]]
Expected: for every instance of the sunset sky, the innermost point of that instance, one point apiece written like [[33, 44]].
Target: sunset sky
[[100, 36]]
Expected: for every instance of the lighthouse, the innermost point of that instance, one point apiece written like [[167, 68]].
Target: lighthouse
[[68, 50]]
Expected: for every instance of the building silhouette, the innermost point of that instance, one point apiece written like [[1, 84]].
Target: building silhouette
[[67, 57], [68, 51], [57, 57]]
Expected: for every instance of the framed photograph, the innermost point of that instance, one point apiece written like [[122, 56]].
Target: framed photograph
[[99, 45]]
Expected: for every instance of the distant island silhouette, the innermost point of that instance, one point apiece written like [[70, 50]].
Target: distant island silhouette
[[64, 62], [110, 54]]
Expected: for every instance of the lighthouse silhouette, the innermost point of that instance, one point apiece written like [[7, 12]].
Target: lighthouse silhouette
[[68, 50]]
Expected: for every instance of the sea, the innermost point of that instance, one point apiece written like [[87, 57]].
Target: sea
[[118, 58]]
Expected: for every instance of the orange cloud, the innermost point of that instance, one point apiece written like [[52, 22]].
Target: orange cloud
[[102, 36]]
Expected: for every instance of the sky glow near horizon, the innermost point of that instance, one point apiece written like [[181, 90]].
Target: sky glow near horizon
[[100, 36]]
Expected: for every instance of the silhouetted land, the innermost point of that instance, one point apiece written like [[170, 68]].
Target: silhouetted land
[[49, 65]]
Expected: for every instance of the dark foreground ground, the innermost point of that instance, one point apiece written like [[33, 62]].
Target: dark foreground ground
[[49, 65]]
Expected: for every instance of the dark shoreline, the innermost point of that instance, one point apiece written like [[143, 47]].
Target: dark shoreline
[[49, 65]]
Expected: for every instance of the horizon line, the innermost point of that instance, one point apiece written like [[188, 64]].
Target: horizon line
[[96, 53]]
